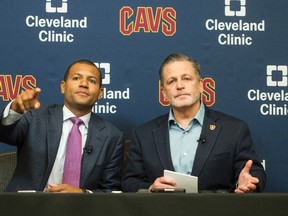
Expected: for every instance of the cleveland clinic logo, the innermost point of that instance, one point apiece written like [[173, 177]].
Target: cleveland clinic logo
[[51, 8], [277, 75], [106, 68], [57, 28], [273, 100], [235, 8], [109, 95], [234, 31]]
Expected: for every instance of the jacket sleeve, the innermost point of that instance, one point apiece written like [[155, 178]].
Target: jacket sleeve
[[135, 177]]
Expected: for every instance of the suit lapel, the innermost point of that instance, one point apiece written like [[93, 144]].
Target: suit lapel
[[210, 132], [54, 130], [162, 143], [95, 138]]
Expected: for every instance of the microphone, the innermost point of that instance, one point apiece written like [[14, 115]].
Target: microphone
[[88, 149], [201, 139]]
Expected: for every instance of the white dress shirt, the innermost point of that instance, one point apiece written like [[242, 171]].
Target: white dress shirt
[[10, 117]]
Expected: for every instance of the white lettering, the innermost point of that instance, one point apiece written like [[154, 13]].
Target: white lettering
[[231, 39], [234, 26], [273, 109], [104, 108], [110, 94], [52, 36], [257, 95], [35, 21]]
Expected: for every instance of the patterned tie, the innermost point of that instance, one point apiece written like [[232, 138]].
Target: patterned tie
[[72, 165]]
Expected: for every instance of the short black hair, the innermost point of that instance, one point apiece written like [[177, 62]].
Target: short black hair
[[82, 61]]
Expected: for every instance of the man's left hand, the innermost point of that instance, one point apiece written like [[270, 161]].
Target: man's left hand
[[62, 188], [246, 182]]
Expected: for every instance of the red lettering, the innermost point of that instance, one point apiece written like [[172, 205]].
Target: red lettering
[[141, 21], [29, 82], [9, 89], [13, 89], [3, 91], [169, 16], [147, 21], [208, 96], [125, 14], [154, 21]]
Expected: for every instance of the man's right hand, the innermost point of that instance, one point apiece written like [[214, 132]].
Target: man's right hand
[[26, 101], [163, 182]]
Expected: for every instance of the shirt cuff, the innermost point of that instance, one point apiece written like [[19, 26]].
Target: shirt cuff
[[10, 116]]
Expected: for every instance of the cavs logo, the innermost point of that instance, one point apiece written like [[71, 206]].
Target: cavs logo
[[146, 20], [9, 88], [208, 95]]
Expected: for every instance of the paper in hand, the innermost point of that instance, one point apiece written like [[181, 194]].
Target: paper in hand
[[188, 182]]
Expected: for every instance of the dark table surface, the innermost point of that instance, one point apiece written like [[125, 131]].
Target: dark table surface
[[137, 204]]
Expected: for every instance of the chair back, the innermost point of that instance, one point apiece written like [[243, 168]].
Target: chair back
[[7, 166]]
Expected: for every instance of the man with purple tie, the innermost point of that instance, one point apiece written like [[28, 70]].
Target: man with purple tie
[[64, 148]]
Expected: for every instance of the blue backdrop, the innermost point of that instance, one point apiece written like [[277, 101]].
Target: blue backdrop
[[241, 46]]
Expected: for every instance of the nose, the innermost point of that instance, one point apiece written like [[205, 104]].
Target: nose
[[84, 82], [179, 84]]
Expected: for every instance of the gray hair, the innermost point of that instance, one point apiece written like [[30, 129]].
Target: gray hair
[[179, 57]]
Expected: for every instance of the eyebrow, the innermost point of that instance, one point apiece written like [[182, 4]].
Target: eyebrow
[[78, 74], [183, 75]]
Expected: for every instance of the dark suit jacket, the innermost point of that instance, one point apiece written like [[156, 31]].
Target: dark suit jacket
[[37, 137], [218, 160]]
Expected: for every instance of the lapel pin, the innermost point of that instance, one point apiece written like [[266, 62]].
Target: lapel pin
[[212, 127]]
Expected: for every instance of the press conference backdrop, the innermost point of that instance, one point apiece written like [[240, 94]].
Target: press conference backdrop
[[240, 44]]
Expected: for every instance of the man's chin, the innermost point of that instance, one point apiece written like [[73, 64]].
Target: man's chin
[[85, 104], [183, 104]]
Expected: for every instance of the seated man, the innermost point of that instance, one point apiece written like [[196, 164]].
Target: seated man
[[192, 139], [64, 148]]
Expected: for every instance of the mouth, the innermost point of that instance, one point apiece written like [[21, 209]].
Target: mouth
[[180, 95], [82, 93]]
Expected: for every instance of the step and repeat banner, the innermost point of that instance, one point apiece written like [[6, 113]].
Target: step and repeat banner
[[242, 46]]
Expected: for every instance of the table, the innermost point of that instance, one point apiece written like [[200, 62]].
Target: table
[[148, 204]]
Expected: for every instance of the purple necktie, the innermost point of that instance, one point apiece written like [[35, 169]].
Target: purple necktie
[[72, 165]]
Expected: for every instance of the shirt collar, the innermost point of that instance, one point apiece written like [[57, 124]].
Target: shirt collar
[[67, 114], [199, 117]]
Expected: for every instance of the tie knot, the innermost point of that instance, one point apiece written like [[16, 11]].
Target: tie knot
[[76, 120]]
